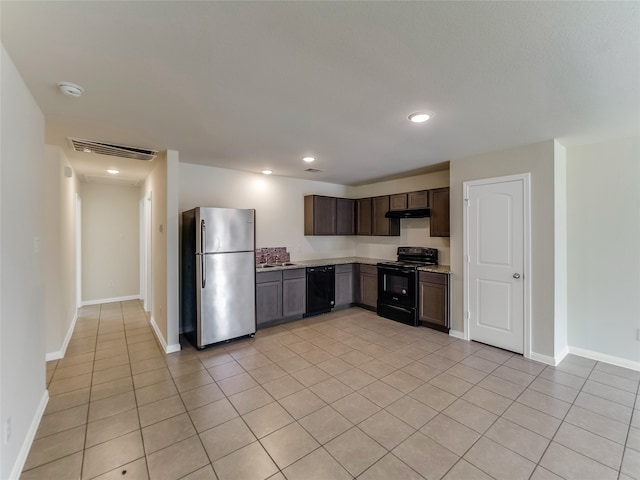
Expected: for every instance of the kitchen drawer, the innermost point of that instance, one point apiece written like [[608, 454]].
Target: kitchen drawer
[[344, 268], [439, 278], [295, 273], [264, 277], [371, 269]]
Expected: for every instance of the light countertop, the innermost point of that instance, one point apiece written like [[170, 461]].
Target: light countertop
[[446, 269]]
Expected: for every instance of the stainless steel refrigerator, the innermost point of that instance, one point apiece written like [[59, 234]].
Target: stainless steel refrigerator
[[218, 278]]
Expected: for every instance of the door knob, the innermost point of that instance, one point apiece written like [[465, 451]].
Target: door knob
[[516, 275]]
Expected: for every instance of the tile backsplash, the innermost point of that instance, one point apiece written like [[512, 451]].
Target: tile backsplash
[[272, 254]]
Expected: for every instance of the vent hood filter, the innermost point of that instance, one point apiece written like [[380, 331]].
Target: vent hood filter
[[416, 213], [122, 151]]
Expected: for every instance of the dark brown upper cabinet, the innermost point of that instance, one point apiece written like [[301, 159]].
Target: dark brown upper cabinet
[[363, 216], [439, 202], [418, 199], [398, 201], [409, 201], [345, 216], [366, 216], [382, 225], [320, 215]]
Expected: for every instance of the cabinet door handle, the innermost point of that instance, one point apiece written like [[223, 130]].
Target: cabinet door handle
[[516, 275]]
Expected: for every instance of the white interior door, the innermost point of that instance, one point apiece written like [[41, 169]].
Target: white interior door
[[495, 255]]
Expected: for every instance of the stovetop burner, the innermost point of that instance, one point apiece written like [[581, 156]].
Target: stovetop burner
[[407, 264], [414, 257]]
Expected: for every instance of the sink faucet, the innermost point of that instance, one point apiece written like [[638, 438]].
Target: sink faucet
[[277, 259]]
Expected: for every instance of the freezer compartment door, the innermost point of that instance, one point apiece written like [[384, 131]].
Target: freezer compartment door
[[226, 289], [225, 230]]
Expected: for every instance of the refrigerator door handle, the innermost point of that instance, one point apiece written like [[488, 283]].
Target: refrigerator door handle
[[203, 263], [203, 236], [203, 240]]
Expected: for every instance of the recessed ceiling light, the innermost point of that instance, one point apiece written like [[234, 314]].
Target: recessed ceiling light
[[70, 89], [266, 171], [113, 171], [420, 117], [308, 159]]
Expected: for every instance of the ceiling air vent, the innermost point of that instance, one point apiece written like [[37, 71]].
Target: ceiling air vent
[[313, 170], [123, 151]]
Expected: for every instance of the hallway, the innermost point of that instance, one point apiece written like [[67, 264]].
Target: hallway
[[337, 396]]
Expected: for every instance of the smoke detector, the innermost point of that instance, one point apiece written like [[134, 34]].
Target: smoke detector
[[70, 89]]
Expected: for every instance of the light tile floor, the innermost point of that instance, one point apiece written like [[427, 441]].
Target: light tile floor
[[338, 396]]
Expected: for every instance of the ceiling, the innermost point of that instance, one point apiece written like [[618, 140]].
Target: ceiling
[[254, 85]]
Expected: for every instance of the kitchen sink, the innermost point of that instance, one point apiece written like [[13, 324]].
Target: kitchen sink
[[271, 265]]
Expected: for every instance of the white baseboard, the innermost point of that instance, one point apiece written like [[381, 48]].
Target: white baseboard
[[167, 348], [546, 359], [110, 300], [603, 357], [28, 441], [60, 353], [457, 334], [560, 356]]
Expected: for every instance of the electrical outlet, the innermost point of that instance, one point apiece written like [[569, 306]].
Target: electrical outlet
[[7, 431]]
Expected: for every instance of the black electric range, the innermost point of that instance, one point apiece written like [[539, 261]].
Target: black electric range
[[398, 283]]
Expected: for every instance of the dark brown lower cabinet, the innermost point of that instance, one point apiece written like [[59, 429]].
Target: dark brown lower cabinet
[[293, 292], [344, 285], [280, 296], [367, 286], [268, 297], [433, 290]]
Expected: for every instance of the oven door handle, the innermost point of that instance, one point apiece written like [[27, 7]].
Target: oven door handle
[[396, 307], [393, 269]]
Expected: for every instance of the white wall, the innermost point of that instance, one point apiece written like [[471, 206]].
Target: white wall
[[162, 186], [278, 202], [22, 329], [110, 242], [413, 231], [560, 329], [173, 251], [603, 203], [538, 159], [280, 214], [59, 250]]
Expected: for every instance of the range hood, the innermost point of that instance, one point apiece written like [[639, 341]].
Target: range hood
[[415, 213]]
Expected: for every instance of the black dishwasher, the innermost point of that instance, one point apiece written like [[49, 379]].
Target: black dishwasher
[[321, 289]]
